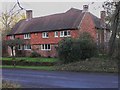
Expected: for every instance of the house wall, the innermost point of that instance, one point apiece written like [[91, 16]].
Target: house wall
[[37, 38], [44, 53], [88, 25]]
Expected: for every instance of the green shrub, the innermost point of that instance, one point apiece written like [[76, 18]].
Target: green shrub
[[35, 54], [71, 50], [88, 46]]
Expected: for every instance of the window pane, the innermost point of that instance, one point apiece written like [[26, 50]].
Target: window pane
[[46, 34], [68, 32], [48, 46], [56, 34], [65, 33], [61, 33], [45, 46]]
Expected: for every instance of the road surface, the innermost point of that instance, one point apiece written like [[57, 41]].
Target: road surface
[[58, 79]]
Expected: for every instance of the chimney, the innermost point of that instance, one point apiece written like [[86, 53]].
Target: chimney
[[103, 15], [28, 14], [85, 8]]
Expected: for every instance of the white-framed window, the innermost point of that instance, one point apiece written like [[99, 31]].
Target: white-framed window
[[65, 33], [27, 47], [12, 37], [45, 47], [45, 35], [27, 36], [19, 47], [56, 33]]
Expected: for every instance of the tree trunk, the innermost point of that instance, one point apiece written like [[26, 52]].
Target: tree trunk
[[114, 28]]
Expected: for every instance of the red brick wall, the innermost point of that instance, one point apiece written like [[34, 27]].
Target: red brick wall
[[37, 39], [43, 53], [88, 25]]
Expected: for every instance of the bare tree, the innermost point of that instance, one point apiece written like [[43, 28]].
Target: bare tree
[[11, 17], [113, 11]]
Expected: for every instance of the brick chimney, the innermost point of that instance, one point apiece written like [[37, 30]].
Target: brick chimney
[[103, 15], [28, 14], [85, 8]]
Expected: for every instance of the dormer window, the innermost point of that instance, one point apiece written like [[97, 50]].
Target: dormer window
[[26, 36], [45, 35], [12, 37]]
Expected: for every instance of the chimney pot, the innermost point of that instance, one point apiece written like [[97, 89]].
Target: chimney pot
[[85, 8], [28, 14]]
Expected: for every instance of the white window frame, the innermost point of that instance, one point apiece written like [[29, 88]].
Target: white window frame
[[20, 47], [56, 33], [43, 47], [27, 36], [26, 47], [45, 35], [12, 37], [62, 34]]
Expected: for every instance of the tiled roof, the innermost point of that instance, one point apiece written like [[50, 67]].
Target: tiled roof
[[62, 21]]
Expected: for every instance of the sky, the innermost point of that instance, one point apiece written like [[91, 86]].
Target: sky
[[45, 7]]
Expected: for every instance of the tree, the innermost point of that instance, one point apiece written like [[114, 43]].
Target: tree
[[113, 11], [14, 44], [8, 19]]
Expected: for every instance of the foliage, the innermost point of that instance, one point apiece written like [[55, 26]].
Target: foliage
[[13, 43], [92, 65], [35, 54], [71, 50]]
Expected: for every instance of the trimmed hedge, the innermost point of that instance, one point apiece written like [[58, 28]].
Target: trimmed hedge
[[26, 63]]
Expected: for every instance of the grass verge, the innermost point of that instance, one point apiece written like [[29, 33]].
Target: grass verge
[[32, 59], [47, 68], [8, 84]]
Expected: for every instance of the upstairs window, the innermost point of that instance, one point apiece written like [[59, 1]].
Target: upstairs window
[[56, 33], [45, 47], [64, 33], [45, 35], [27, 47], [12, 37], [26, 36]]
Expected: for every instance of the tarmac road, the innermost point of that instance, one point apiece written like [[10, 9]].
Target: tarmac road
[[58, 79]]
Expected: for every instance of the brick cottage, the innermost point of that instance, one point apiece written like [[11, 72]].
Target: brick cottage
[[42, 34]]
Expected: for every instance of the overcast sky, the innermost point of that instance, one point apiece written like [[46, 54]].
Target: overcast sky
[[42, 8]]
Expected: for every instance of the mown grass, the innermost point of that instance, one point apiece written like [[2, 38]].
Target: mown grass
[[32, 59], [47, 68]]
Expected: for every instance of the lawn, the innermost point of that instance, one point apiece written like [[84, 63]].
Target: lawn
[[33, 59], [48, 68]]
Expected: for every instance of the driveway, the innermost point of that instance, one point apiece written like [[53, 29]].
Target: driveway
[[58, 79]]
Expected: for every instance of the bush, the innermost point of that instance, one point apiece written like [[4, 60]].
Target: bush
[[71, 50], [35, 54]]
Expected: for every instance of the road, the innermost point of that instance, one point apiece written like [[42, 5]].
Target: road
[[58, 79]]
